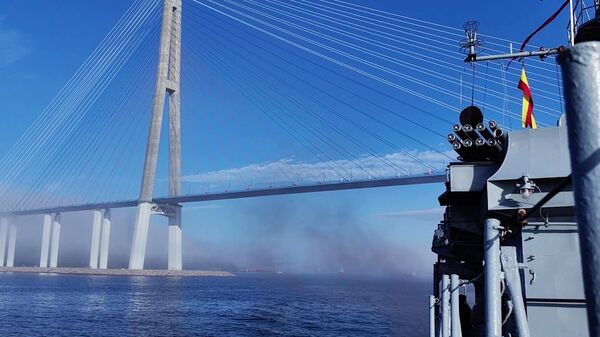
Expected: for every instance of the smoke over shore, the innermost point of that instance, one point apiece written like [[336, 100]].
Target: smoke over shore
[[276, 235]]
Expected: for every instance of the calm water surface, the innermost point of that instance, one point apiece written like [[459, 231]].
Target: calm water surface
[[247, 305]]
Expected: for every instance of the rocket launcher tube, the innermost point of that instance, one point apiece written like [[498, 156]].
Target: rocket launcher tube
[[484, 132], [459, 132]]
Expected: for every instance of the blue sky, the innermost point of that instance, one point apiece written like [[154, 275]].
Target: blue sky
[[226, 135]]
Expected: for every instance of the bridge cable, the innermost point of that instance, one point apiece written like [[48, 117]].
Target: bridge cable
[[291, 75]]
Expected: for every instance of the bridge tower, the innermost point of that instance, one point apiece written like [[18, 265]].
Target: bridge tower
[[167, 86]]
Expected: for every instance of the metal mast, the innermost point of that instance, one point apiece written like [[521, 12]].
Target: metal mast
[[167, 82], [581, 74]]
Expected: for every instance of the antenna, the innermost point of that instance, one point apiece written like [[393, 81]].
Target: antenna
[[590, 31], [470, 45], [571, 24]]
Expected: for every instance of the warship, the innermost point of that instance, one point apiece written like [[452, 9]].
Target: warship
[[514, 257]]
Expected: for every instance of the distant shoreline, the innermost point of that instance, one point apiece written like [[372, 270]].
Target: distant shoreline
[[117, 272]]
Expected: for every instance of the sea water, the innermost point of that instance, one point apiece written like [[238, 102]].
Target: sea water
[[245, 305]]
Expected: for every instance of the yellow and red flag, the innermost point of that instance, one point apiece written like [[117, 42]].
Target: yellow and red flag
[[527, 119]]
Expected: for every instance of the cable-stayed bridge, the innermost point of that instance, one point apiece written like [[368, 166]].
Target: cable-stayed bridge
[[253, 98]]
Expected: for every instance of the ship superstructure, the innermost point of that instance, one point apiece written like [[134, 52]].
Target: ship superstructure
[[514, 256], [534, 262]]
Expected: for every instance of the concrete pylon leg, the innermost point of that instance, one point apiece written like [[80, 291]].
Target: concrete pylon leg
[[105, 239], [55, 241], [45, 241], [175, 102], [167, 80], [12, 244], [158, 105], [140, 236], [175, 249], [95, 245], [3, 232]]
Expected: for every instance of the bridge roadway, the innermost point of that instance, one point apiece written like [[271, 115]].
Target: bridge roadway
[[249, 193]]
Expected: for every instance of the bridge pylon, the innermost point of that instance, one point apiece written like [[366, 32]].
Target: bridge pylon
[[167, 86]]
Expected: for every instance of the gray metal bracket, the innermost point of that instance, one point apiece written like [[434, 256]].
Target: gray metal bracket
[[510, 267], [167, 210]]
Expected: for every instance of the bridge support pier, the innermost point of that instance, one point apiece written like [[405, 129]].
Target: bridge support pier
[[175, 249], [55, 241], [12, 244], [3, 233], [45, 241], [140, 236], [95, 245], [105, 239]]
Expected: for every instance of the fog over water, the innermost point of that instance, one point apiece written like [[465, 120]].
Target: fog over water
[[277, 235]]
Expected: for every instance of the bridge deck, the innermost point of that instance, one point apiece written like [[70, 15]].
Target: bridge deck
[[250, 193]]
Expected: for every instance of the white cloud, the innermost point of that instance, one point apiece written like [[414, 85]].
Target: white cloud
[[13, 44], [288, 171]]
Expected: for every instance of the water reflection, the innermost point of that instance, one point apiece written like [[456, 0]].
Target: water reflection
[[251, 305]]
